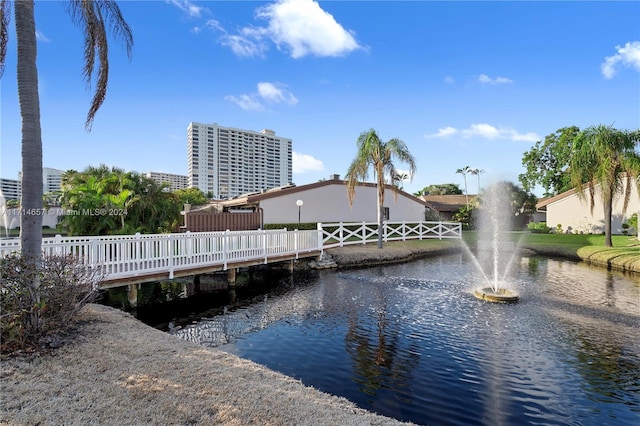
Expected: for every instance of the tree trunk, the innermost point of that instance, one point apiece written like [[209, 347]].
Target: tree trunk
[[31, 201], [380, 207], [608, 210]]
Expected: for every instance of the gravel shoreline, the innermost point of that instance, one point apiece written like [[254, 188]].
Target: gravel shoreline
[[115, 370]]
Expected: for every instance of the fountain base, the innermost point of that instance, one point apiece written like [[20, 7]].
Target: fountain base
[[501, 296]]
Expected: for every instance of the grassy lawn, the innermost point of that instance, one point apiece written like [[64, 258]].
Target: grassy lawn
[[625, 253]]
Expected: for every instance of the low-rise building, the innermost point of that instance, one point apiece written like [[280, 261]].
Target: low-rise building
[[570, 213]]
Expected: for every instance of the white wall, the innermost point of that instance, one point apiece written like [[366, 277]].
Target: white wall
[[330, 204], [576, 213], [10, 218]]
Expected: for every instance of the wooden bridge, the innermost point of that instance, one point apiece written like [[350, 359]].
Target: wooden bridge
[[130, 259]]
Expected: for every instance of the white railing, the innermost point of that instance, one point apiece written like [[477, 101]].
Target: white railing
[[127, 256], [342, 233]]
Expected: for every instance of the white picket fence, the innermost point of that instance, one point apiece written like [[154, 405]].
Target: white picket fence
[[119, 257], [127, 256], [342, 233]]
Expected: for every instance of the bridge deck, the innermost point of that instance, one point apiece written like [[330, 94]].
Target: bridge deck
[[188, 271]]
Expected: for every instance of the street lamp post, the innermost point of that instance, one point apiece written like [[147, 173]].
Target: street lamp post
[[299, 203]]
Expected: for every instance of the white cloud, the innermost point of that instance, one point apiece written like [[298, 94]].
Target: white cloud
[[485, 79], [628, 55], [243, 46], [276, 93], [302, 163], [41, 37], [188, 7], [443, 132], [272, 93], [449, 80], [299, 27], [483, 130], [306, 29], [486, 131], [246, 102]]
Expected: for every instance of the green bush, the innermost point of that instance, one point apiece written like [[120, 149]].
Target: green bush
[[41, 301], [538, 228]]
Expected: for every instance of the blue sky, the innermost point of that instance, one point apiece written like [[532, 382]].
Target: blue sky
[[461, 83]]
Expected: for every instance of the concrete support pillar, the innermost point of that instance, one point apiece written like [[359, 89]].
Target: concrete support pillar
[[231, 277], [196, 283], [132, 295]]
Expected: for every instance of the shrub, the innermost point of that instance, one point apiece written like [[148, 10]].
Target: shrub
[[538, 228], [41, 301]]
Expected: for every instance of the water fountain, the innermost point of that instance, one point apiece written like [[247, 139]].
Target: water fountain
[[495, 247]]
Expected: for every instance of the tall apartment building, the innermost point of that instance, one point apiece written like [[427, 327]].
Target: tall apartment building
[[51, 179], [227, 162], [176, 181], [10, 189]]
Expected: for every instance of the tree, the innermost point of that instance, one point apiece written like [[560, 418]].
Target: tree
[[463, 171], [398, 179], [477, 172], [192, 196], [547, 163], [373, 152], [605, 157], [103, 201], [440, 189], [90, 16]]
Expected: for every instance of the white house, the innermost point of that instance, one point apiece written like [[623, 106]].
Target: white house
[[570, 213], [326, 201]]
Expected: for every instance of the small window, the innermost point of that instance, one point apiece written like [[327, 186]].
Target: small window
[[385, 213]]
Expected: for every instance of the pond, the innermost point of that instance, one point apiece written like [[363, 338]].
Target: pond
[[410, 341]]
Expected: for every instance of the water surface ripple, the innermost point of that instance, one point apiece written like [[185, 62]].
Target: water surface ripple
[[411, 341]]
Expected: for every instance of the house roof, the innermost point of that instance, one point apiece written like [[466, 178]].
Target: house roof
[[254, 199], [447, 203]]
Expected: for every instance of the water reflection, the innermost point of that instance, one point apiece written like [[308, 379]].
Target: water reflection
[[410, 341]]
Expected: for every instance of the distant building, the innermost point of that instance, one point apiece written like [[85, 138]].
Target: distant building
[[51, 182], [325, 201], [226, 162], [176, 181], [448, 205], [569, 213], [10, 189]]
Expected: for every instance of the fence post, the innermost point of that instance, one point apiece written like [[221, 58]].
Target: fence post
[[225, 249], [138, 251], [171, 253], [58, 245], [264, 245]]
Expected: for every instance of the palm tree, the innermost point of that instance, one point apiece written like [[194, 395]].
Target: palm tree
[[477, 172], [399, 178], [463, 171], [90, 16], [606, 157], [373, 152]]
